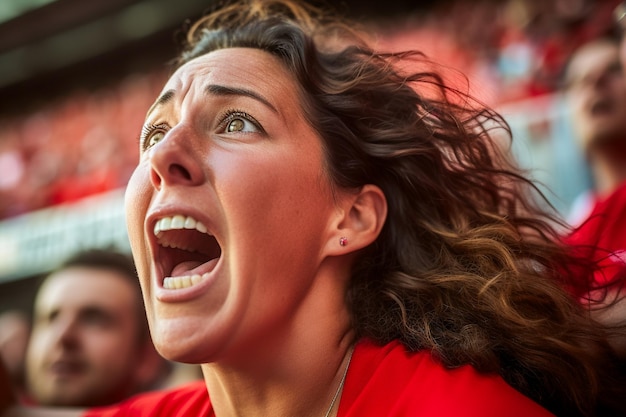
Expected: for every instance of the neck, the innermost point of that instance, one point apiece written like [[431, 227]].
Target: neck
[[295, 370], [609, 172], [302, 386]]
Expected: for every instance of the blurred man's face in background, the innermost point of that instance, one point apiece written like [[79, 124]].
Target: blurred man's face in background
[[597, 94], [84, 346]]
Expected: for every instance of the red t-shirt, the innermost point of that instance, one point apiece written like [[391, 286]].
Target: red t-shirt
[[382, 381], [603, 237]]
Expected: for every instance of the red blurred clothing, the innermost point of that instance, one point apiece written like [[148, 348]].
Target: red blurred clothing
[[602, 237], [383, 381]]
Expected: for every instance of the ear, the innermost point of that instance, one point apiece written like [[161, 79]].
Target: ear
[[359, 220]]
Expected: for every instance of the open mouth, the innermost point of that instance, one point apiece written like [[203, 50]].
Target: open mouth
[[187, 253], [602, 107], [67, 368]]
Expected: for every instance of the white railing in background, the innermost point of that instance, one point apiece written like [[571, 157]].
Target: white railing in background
[[37, 242], [544, 143]]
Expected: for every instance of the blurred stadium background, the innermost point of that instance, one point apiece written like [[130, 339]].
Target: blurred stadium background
[[76, 78]]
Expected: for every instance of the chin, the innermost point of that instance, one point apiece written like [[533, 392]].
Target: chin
[[181, 347], [182, 355], [607, 138]]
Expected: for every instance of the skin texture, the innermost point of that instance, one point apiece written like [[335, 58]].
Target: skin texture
[[272, 307], [84, 348]]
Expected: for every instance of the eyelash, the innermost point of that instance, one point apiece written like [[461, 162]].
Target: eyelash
[[227, 117], [231, 114], [147, 131]]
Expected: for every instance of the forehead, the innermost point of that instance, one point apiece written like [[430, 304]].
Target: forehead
[[79, 287], [591, 58], [247, 68]]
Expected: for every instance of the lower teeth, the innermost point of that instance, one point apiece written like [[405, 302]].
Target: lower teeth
[[185, 281]]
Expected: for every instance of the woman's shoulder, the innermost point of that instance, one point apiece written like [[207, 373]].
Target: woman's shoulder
[[188, 400], [387, 380]]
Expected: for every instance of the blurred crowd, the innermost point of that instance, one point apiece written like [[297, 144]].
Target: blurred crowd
[[85, 143], [511, 50]]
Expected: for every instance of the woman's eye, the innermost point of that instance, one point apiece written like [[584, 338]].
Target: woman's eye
[[155, 138], [241, 122], [151, 135], [236, 125]]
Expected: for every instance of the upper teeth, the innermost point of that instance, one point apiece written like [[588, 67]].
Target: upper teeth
[[179, 222]]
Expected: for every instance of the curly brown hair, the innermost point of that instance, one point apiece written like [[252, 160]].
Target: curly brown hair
[[468, 264]]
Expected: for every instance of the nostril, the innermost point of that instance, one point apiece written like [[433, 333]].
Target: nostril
[[179, 171], [155, 178], [174, 162]]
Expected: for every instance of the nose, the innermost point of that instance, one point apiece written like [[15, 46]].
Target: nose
[[68, 334], [601, 80], [174, 161]]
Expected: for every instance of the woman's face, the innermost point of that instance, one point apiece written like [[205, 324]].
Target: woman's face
[[229, 206]]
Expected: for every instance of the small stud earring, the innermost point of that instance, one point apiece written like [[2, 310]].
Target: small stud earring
[[343, 241]]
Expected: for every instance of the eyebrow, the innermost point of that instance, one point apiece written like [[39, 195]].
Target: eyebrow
[[163, 99], [221, 90]]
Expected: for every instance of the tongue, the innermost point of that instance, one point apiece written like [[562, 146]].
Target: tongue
[[185, 268]]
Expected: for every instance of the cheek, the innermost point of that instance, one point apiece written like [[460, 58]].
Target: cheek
[[138, 192], [36, 348], [622, 104], [110, 345], [137, 199], [577, 106], [279, 205]]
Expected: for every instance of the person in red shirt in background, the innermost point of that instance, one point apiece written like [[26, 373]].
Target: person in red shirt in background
[[596, 93]]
